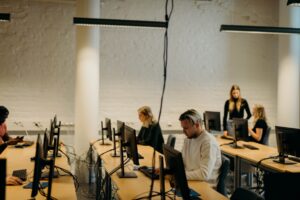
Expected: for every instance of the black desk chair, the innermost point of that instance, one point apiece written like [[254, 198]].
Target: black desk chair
[[171, 140], [265, 140], [224, 169], [244, 194]]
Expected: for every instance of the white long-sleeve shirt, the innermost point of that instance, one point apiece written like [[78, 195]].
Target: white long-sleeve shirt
[[202, 158]]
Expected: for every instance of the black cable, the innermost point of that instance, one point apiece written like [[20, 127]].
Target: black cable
[[76, 182], [165, 61]]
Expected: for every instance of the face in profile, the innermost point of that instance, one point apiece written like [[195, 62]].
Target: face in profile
[[235, 94], [142, 117], [3, 129], [189, 128]]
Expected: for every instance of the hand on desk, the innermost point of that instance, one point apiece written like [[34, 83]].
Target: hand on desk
[[14, 141], [12, 180]]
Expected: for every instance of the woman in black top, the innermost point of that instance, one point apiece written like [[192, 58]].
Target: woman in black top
[[235, 106], [150, 132], [259, 130]]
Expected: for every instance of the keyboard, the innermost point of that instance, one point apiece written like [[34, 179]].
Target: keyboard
[[296, 159], [21, 174], [24, 144], [226, 137], [248, 146], [148, 172]]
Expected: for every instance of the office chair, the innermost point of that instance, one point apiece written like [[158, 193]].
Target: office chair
[[244, 194], [224, 169], [171, 140], [266, 138]]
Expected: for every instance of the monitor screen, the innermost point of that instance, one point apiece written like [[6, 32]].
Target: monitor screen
[[3, 147], [108, 128], [288, 140], [130, 143], [2, 177], [238, 128], [120, 129], [175, 167], [212, 121]]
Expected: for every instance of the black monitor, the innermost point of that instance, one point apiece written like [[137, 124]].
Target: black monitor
[[130, 144], [175, 167], [2, 177], [238, 129], [54, 132], [107, 129], [120, 133], [39, 164], [288, 143], [212, 121], [3, 147]]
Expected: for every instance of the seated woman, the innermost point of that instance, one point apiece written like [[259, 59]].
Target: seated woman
[[150, 133], [258, 132]]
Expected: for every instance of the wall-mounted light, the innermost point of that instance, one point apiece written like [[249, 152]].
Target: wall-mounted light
[[293, 2], [259, 29], [118, 22], [4, 17]]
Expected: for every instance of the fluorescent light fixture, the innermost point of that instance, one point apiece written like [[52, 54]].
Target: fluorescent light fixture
[[4, 17], [118, 22], [259, 29], [293, 2]]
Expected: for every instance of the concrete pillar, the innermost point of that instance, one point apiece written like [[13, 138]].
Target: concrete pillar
[[288, 105], [87, 77]]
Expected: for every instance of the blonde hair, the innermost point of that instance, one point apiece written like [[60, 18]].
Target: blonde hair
[[259, 112], [147, 112], [231, 99]]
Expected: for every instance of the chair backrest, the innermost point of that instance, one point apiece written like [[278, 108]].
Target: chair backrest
[[245, 194], [224, 169], [265, 140], [171, 140]]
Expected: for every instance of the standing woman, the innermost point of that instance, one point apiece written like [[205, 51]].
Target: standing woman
[[235, 106], [258, 133], [150, 132]]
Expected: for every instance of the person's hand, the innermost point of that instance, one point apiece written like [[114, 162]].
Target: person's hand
[[225, 133], [12, 180]]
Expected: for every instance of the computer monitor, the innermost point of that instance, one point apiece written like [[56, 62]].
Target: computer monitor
[[175, 167], [2, 177], [3, 147], [130, 144], [288, 140], [238, 129], [39, 163], [120, 133], [212, 121], [54, 132], [107, 129]]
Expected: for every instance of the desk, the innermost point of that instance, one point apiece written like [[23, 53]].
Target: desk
[[136, 187], [253, 157], [62, 187]]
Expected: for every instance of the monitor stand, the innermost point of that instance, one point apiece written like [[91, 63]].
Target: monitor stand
[[283, 160], [235, 145]]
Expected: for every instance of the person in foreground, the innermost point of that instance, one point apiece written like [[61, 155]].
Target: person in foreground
[[10, 180], [258, 132], [150, 132], [201, 153]]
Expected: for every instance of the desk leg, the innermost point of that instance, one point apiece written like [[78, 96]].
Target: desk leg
[[98, 178], [237, 172], [108, 187]]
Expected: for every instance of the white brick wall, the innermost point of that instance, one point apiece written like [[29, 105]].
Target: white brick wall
[[37, 59]]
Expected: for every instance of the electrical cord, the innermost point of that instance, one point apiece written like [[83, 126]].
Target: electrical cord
[[165, 61]]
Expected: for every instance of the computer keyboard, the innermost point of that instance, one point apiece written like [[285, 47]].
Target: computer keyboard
[[148, 172], [296, 159], [248, 146], [24, 144], [21, 174], [226, 137]]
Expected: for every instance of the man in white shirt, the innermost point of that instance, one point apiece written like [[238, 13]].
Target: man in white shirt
[[201, 153]]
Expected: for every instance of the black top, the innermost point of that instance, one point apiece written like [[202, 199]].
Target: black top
[[235, 113], [151, 136], [260, 123]]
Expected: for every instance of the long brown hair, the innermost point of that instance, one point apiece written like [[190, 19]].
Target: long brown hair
[[231, 99], [259, 113]]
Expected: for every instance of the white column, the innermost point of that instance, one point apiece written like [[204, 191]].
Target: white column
[[87, 77], [288, 108]]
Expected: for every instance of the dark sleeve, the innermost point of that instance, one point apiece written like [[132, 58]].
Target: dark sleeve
[[247, 109], [260, 124], [6, 137], [226, 109]]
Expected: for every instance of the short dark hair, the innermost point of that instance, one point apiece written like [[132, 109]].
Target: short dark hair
[[3, 114], [191, 115]]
